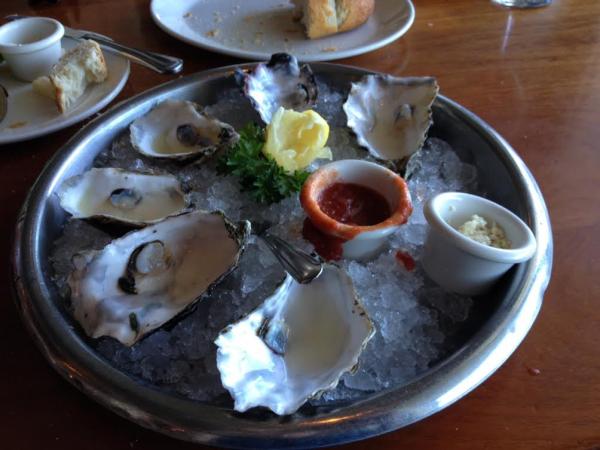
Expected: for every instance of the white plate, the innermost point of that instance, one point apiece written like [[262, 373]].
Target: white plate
[[254, 29], [31, 115]]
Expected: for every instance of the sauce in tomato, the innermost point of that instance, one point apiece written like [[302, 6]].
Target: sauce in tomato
[[328, 247], [354, 204]]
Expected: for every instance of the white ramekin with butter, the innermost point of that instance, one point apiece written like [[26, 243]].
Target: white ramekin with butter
[[461, 263]]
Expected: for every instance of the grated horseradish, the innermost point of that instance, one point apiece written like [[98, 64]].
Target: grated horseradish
[[479, 230]]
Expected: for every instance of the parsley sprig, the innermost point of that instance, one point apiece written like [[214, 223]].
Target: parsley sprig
[[266, 181]]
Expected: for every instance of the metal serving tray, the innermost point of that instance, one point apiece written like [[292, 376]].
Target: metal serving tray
[[499, 323]]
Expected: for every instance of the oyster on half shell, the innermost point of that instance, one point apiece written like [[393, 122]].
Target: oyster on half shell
[[142, 280], [279, 83], [298, 343], [180, 129], [390, 115], [122, 196]]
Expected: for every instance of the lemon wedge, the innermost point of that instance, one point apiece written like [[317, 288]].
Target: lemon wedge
[[296, 139]]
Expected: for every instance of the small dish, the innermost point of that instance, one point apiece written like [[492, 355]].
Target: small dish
[[31, 46], [359, 242], [460, 264]]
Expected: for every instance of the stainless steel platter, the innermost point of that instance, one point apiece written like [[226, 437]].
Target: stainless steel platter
[[497, 327]]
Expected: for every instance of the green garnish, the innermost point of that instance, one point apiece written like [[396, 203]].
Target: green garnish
[[266, 181]]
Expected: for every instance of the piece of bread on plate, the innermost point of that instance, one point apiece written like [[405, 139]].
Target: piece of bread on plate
[[327, 17], [76, 69], [353, 13]]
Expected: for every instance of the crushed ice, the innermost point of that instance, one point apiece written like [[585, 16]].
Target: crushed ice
[[413, 317]]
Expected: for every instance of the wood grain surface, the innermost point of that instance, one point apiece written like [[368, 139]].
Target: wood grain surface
[[534, 76]]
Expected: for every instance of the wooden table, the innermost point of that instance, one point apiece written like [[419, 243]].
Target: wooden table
[[533, 75]]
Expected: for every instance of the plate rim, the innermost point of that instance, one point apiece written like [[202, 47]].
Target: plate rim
[[264, 56], [495, 343], [76, 118]]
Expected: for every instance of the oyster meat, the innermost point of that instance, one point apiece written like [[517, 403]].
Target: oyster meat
[[297, 344], [279, 83], [180, 129], [142, 280], [390, 115], [122, 196]]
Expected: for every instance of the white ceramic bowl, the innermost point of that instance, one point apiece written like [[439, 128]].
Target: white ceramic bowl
[[362, 242], [31, 46], [460, 264]]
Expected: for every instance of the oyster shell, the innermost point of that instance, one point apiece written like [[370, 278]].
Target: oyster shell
[[122, 196], [297, 344], [391, 115], [180, 129], [3, 102], [142, 280], [279, 83]]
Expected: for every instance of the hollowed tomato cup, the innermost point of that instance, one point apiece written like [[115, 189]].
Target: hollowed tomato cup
[[359, 241]]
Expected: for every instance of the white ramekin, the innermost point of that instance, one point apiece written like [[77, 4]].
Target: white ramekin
[[31, 46], [460, 264], [361, 242]]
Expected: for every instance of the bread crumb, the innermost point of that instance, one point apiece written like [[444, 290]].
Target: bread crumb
[[217, 17], [258, 37], [17, 125], [187, 15], [212, 33], [329, 49]]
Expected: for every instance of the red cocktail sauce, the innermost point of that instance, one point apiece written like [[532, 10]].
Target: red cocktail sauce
[[406, 260], [346, 203], [354, 204], [329, 247]]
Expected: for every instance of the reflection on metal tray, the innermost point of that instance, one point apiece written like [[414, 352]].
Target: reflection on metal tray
[[498, 323]]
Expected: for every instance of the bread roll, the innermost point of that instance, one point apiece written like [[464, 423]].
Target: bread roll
[[353, 13], [326, 17], [76, 69]]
